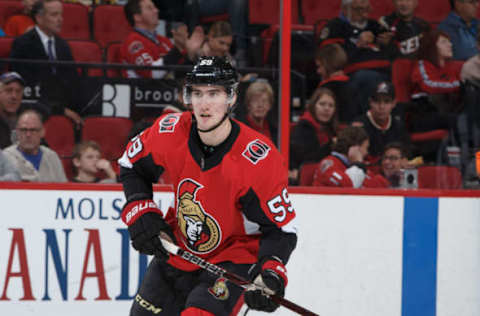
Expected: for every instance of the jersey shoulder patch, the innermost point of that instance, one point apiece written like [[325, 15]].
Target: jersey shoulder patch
[[256, 150], [168, 122]]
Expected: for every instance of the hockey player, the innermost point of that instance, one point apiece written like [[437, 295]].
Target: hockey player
[[231, 203]]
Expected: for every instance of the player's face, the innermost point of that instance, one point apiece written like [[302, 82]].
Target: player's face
[[194, 228], [52, 18], [392, 162], [405, 8], [11, 97], [209, 103], [381, 108], [30, 132], [444, 47], [88, 161], [220, 46], [259, 106], [148, 14], [324, 108]]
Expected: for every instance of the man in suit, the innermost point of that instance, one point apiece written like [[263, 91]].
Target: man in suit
[[43, 43]]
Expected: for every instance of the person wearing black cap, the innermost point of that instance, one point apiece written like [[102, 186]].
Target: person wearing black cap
[[11, 94], [379, 123]]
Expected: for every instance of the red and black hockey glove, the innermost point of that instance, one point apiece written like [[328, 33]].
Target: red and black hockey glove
[[271, 273], [145, 222]]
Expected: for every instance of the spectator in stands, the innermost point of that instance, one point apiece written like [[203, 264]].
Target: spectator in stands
[[34, 161], [394, 160], [462, 27], [144, 47], [88, 162], [19, 24], [436, 85], [238, 19], [313, 135], [368, 62], [11, 94], [344, 167], [259, 100], [381, 127], [8, 171], [57, 83], [403, 30], [331, 60]]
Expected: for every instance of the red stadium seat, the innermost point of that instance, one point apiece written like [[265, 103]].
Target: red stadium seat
[[268, 11], [439, 177], [5, 46], [306, 173], [60, 135], [113, 56], [401, 71], [214, 18], [109, 24], [380, 8], [111, 133], [9, 8], [87, 52], [75, 21], [314, 10], [433, 11]]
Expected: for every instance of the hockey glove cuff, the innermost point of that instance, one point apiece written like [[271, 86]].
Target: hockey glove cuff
[[269, 273], [145, 222]]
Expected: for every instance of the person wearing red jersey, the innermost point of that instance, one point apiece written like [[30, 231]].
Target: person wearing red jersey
[[345, 167], [143, 47], [231, 203]]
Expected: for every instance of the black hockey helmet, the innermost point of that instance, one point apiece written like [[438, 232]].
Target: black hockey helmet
[[211, 70]]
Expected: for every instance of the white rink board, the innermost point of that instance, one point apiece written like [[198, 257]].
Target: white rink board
[[348, 260]]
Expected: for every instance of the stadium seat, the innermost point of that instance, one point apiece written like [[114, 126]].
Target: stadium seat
[[75, 22], [401, 71], [112, 56], [109, 24], [433, 11], [380, 8], [60, 135], [306, 173], [214, 18], [439, 177], [85, 51], [5, 46], [268, 12], [111, 133], [314, 10], [9, 8]]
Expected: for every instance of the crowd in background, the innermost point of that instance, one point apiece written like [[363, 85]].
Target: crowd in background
[[356, 128]]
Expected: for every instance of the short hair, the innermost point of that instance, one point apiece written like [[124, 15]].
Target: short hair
[[220, 29], [399, 146], [38, 8], [348, 137], [80, 148], [259, 87], [130, 9], [28, 111], [332, 57], [428, 45]]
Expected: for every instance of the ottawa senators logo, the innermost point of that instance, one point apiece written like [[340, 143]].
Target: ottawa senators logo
[[220, 290], [167, 124], [200, 231], [256, 151]]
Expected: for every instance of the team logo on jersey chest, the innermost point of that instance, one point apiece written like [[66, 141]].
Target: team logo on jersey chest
[[200, 231], [256, 151], [220, 290], [167, 124]]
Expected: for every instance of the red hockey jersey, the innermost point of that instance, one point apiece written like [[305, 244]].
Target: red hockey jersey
[[143, 50], [224, 203]]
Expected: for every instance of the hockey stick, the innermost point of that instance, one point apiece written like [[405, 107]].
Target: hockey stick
[[236, 279]]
